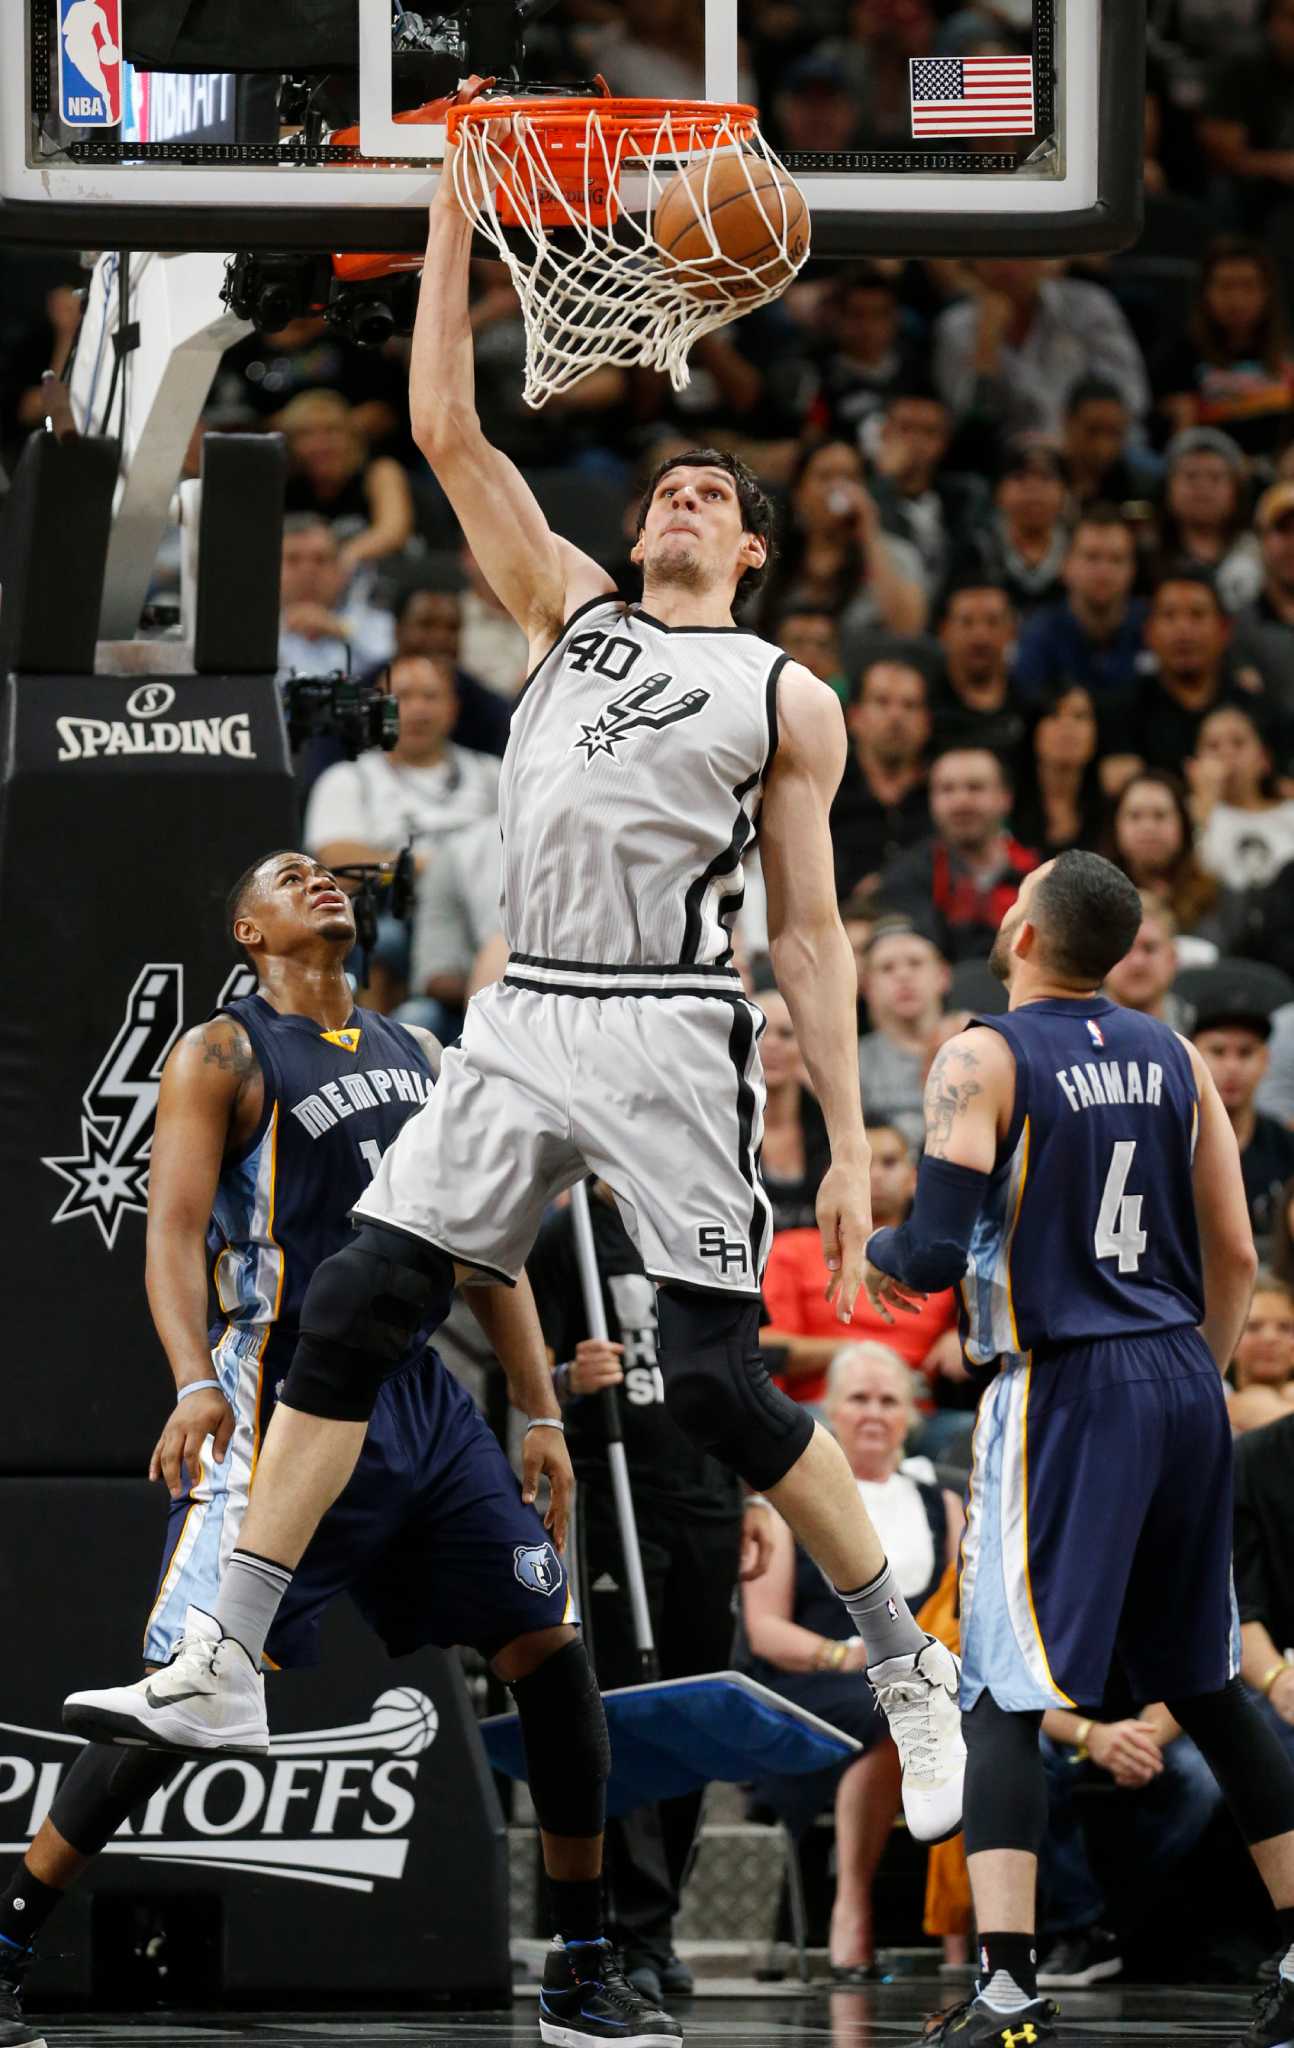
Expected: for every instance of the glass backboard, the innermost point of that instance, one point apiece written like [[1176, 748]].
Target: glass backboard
[[909, 134]]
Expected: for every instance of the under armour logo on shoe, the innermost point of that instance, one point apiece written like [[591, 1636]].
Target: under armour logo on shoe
[[1020, 2037]]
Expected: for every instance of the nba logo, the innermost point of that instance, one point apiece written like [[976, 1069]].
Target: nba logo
[[1095, 1032], [89, 63]]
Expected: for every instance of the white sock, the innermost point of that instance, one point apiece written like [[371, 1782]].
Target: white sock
[[1003, 1993], [1287, 1966]]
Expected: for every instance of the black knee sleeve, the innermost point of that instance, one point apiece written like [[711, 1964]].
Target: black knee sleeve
[[362, 1310], [1005, 1804], [103, 1786], [717, 1386], [568, 1750], [1246, 1757]]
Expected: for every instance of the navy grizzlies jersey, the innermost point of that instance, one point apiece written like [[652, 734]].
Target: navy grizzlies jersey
[[334, 1101], [1088, 1230]]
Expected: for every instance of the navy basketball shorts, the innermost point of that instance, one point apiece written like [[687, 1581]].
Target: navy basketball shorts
[[431, 1538], [1099, 1527]]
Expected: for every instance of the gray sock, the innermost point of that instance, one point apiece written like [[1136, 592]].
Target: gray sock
[[249, 1598], [883, 1620]]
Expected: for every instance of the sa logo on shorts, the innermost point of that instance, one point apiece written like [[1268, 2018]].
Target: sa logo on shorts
[[537, 1567]]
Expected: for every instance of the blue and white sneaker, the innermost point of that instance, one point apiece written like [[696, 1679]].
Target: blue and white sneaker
[[586, 1998]]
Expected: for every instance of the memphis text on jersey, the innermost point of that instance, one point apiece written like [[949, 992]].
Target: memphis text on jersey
[[338, 1099]]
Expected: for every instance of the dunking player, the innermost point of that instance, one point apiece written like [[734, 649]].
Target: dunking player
[[1081, 1180], [649, 742], [271, 1121]]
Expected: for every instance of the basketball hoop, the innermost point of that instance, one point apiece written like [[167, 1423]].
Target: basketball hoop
[[569, 190]]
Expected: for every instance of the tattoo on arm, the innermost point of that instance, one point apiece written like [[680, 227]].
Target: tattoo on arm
[[950, 1089], [228, 1048]]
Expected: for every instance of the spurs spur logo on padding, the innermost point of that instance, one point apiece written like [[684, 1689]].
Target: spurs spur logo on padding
[[330, 1806], [537, 1567], [109, 1175], [637, 710]]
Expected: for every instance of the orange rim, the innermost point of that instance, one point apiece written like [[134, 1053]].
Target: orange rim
[[639, 119]]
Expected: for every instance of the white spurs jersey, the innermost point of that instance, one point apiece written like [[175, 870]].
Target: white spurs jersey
[[630, 792]]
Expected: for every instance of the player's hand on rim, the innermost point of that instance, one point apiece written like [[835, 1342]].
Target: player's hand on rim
[[844, 1211], [544, 1456], [470, 202], [178, 1449]]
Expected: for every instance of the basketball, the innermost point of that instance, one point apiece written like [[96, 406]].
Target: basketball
[[408, 1720], [109, 53], [755, 210]]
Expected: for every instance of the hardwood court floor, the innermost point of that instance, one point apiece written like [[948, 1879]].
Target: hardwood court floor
[[889, 2016]]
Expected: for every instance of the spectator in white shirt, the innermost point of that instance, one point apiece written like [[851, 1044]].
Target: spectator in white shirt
[[457, 914], [423, 790], [320, 630], [1012, 351]]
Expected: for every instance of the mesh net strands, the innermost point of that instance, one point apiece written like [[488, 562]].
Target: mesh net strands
[[567, 192]]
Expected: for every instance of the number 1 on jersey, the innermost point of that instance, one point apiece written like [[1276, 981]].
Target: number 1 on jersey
[[1119, 1234], [372, 1154]]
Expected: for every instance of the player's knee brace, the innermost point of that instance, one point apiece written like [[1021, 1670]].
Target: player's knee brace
[[362, 1310], [102, 1787], [1005, 1805], [717, 1386], [1246, 1757], [568, 1750]]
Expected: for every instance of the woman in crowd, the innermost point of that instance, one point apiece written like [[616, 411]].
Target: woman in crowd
[[1232, 368], [798, 1645], [1205, 517], [836, 556], [1151, 837], [1058, 790], [367, 501], [1245, 828], [795, 1152], [1262, 1371]]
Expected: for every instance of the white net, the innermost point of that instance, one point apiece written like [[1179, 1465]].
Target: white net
[[605, 292]]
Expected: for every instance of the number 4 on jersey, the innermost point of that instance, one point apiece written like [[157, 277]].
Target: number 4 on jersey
[[1119, 1234]]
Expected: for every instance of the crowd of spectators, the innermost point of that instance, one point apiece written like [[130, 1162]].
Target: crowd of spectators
[[1037, 532]]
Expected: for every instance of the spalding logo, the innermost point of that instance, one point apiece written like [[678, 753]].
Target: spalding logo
[[150, 700]]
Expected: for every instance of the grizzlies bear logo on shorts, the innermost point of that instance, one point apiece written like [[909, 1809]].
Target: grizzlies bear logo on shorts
[[538, 1567]]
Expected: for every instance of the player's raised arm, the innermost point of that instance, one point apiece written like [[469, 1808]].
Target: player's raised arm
[[202, 1084], [813, 960], [537, 576], [1222, 1212]]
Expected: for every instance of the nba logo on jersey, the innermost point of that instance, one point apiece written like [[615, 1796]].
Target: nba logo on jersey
[[1095, 1032], [89, 63]]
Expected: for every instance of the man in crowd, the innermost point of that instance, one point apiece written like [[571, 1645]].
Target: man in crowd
[[1094, 636], [1143, 979], [976, 706], [1188, 636], [813, 637], [1025, 546], [969, 872], [936, 509], [904, 981], [318, 630], [1095, 444], [1232, 1027], [881, 806], [863, 359], [800, 1335], [1009, 352], [429, 621], [1264, 633], [1249, 128], [1264, 1568], [1174, 1797]]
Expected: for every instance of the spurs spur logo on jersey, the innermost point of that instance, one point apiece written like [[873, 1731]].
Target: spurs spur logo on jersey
[[638, 709], [109, 1175], [330, 1806]]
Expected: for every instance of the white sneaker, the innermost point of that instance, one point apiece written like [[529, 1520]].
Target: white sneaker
[[919, 1698], [207, 1698]]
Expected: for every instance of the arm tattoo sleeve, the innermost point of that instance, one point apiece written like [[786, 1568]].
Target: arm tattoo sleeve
[[950, 1089]]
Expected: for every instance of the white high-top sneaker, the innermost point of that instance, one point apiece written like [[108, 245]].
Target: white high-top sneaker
[[207, 1698], [918, 1697]]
